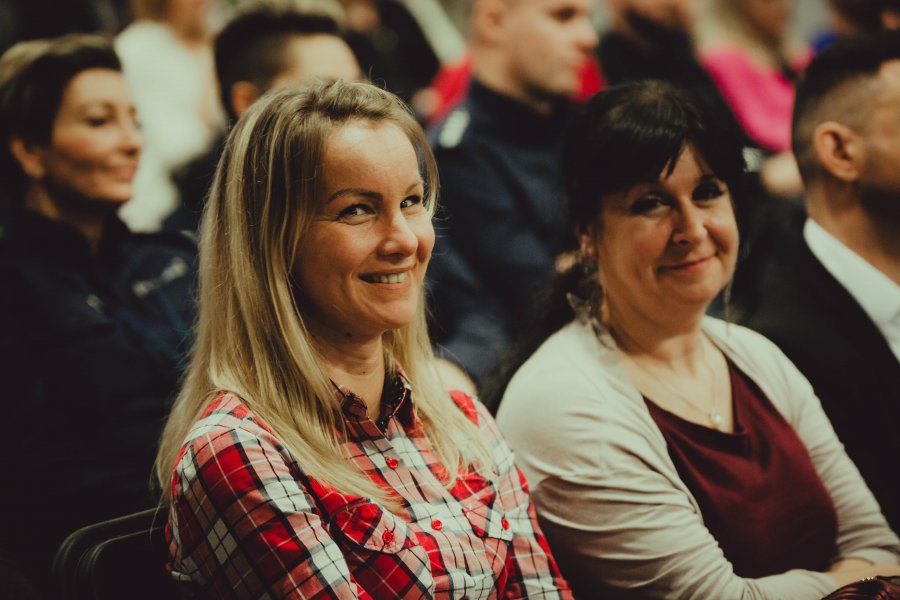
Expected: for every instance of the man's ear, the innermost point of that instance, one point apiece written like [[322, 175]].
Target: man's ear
[[29, 157], [488, 19], [242, 95], [838, 149]]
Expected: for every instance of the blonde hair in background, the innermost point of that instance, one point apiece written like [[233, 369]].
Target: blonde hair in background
[[250, 336], [724, 23]]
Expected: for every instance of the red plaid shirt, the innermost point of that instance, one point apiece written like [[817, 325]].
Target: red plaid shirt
[[248, 522]]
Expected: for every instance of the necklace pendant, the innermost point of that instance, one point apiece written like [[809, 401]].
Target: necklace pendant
[[717, 420]]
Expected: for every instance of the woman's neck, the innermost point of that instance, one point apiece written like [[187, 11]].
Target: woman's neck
[[356, 364], [89, 223], [676, 339]]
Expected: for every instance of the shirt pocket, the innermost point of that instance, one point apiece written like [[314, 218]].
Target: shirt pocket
[[482, 507], [382, 551]]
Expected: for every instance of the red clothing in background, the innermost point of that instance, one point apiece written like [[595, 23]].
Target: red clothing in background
[[759, 494]]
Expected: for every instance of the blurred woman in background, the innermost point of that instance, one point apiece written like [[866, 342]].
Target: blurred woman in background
[[746, 47], [93, 319]]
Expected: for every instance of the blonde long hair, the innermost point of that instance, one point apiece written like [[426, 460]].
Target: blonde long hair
[[250, 336]]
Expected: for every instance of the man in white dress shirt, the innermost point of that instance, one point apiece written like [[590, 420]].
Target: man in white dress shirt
[[835, 307]]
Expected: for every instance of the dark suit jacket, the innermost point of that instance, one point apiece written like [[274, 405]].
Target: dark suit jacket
[[822, 329]]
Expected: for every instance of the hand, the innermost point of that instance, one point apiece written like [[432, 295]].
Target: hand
[[853, 569], [781, 177]]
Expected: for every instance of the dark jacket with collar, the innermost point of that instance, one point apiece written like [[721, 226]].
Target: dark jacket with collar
[[92, 347], [826, 333], [502, 223]]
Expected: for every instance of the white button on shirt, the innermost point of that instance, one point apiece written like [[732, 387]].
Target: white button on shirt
[[876, 293]]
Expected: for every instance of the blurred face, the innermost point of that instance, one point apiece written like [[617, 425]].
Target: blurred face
[[770, 18], [95, 142], [321, 55], [879, 174], [361, 264], [548, 43], [187, 15], [667, 245]]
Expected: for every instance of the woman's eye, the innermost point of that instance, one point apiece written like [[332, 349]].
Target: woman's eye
[[647, 204], [709, 191], [411, 201], [97, 121], [354, 211]]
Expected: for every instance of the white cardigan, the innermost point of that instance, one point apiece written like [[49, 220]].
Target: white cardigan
[[611, 502]]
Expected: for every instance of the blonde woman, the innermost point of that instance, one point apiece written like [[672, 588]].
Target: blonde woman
[[746, 47], [312, 451]]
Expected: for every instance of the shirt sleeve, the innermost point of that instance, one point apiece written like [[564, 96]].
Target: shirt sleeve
[[248, 528], [531, 571]]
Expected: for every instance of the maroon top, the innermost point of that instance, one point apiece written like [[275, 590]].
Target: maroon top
[[758, 491]]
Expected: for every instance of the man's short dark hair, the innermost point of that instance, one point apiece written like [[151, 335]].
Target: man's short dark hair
[[251, 46], [837, 86]]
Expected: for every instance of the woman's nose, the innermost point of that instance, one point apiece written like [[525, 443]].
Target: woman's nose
[[690, 225], [132, 140], [399, 237]]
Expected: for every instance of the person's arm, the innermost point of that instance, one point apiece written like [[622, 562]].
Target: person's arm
[[619, 520], [863, 533], [531, 571], [251, 529]]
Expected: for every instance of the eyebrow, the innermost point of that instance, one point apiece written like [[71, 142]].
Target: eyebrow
[[367, 193]]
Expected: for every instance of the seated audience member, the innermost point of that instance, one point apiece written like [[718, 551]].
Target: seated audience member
[[672, 455], [266, 44], [834, 307], [312, 432], [168, 64], [93, 319], [499, 153], [746, 47]]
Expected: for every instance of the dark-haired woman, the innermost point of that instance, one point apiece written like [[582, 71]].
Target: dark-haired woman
[[672, 455], [92, 317]]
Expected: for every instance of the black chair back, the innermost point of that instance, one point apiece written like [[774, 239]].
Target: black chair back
[[120, 558]]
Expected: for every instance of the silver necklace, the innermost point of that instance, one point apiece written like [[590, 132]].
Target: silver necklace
[[712, 413]]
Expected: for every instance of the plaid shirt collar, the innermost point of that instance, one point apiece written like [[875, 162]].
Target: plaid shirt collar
[[396, 401]]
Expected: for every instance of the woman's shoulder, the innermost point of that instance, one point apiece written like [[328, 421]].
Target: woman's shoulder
[[742, 342], [573, 358], [574, 383], [226, 416]]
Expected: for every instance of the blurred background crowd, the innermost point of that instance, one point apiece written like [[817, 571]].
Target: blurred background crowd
[[494, 108]]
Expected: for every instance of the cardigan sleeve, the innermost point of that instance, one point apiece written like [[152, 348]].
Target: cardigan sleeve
[[610, 502], [863, 531]]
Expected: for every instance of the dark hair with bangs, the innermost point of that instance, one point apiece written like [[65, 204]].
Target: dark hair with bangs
[[625, 135], [630, 133], [34, 76]]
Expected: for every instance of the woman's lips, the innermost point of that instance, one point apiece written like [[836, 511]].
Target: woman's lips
[[690, 265]]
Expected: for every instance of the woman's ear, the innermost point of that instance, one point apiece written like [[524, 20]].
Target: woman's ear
[[838, 150], [587, 241], [29, 157]]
